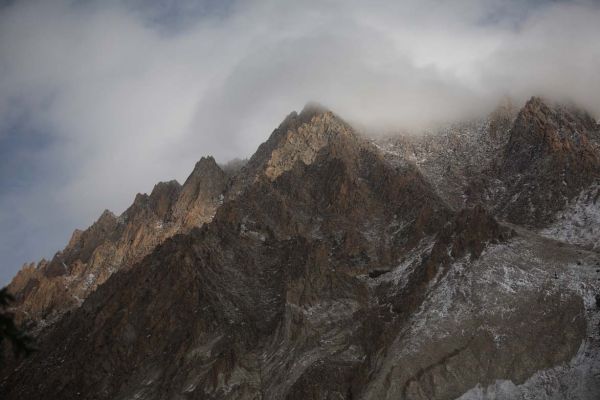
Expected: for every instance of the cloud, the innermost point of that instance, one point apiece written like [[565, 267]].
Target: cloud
[[99, 100]]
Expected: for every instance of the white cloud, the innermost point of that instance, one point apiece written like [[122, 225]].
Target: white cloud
[[125, 102]]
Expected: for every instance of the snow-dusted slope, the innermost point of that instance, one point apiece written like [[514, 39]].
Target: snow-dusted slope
[[579, 222], [452, 156], [482, 325], [579, 378]]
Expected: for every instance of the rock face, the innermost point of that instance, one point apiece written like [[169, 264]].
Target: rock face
[[460, 159], [550, 158], [335, 268], [44, 292], [524, 167]]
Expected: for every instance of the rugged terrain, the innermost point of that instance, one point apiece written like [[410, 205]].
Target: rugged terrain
[[46, 290], [459, 263]]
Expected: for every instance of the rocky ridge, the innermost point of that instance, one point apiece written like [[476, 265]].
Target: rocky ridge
[[47, 290], [524, 166], [341, 268]]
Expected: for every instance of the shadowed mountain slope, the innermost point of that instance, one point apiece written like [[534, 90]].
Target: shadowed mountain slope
[[332, 270]]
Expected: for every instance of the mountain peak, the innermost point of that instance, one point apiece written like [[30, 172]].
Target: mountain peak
[[302, 137], [548, 129], [163, 196], [566, 113], [535, 102], [168, 189], [106, 221], [206, 161], [204, 167], [551, 146], [299, 138], [312, 109], [537, 107], [106, 214]]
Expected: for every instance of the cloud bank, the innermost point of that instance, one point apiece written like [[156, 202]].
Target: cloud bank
[[100, 100]]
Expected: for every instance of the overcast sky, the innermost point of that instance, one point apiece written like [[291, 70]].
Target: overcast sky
[[100, 100]]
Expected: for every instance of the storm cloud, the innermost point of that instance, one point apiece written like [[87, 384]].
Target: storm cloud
[[100, 100]]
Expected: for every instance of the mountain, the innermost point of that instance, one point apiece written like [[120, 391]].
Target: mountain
[[525, 167], [455, 158], [44, 292], [551, 156], [332, 266]]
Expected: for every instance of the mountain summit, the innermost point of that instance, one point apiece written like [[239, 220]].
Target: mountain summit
[[335, 266]]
